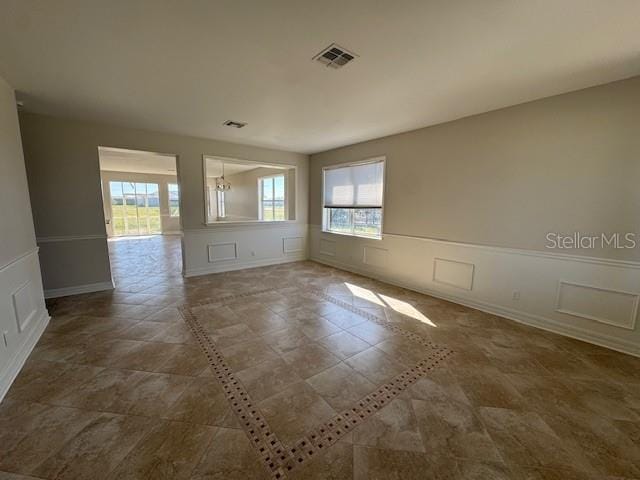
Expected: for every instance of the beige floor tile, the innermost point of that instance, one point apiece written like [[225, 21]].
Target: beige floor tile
[[341, 386], [382, 464], [230, 457], [452, 428], [344, 318], [170, 451], [267, 378], [203, 402], [97, 449], [375, 365], [523, 438], [310, 359], [294, 411], [334, 463], [370, 332], [246, 354], [343, 344], [231, 335], [394, 427], [50, 427], [287, 339]]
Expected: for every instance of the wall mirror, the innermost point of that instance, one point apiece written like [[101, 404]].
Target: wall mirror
[[245, 191]]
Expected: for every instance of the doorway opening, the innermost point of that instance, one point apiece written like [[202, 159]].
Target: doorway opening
[[141, 200]]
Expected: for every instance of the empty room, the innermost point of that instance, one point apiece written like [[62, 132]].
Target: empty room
[[320, 240]]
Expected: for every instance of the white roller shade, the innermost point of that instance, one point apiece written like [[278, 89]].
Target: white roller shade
[[354, 186]]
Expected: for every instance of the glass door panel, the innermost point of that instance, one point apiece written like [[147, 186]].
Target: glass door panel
[[135, 208]]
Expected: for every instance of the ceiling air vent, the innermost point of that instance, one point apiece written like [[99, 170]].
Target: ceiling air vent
[[234, 124], [335, 56]]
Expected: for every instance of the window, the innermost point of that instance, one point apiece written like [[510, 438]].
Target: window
[[272, 198], [174, 199], [353, 199], [135, 208]]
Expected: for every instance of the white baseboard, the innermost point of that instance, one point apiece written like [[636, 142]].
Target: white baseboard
[[227, 267], [537, 321], [78, 289], [16, 363]]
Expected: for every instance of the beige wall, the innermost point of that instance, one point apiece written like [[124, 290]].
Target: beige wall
[[15, 215], [62, 156], [506, 178], [169, 224]]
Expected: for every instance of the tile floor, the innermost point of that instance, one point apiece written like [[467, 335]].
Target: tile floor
[[122, 386]]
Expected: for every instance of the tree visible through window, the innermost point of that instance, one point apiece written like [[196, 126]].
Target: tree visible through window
[[272, 198], [174, 199]]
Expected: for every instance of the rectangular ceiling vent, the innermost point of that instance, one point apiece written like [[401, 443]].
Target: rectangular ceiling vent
[[335, 56], [234, 124]]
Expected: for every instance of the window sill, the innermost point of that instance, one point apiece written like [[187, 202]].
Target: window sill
[[249, 222], [367, 237]]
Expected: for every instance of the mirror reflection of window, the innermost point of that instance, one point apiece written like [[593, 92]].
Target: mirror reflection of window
[[242, 191], [272, 198]]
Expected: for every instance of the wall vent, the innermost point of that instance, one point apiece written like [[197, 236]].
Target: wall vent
[[234, 124], [335, 56]]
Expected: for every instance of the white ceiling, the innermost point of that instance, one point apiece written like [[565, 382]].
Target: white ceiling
[[120, 160], [186, 67]]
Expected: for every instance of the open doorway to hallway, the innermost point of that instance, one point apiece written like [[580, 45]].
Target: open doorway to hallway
[[141, 199]]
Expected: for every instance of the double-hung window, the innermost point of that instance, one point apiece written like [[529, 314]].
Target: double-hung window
[[272, 200], [353, 196]]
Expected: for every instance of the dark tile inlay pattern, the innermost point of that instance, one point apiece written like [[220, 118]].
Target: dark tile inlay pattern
[[278, 458]]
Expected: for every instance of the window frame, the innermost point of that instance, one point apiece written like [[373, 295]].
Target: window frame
[[169, 198], [260, 200], [326, 210]]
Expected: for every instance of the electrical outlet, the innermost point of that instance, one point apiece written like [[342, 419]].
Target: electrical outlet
[[253, 253], [516, 295]]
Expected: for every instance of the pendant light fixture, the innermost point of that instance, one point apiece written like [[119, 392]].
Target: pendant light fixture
[[221, 184]]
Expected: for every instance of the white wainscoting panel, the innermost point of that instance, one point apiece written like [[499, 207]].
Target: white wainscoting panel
[[604, 305], [374, 256], [327, 247], [23, 315], [221, 252], [242, 246], [453, 273], [520, 285], [294, 244], [24, 305]]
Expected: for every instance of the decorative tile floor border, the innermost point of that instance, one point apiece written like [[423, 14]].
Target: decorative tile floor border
[[275, 456]]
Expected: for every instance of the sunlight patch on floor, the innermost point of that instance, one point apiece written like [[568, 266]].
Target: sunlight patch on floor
[[395, 304]]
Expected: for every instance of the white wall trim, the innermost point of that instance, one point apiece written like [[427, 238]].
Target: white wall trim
[[193, 272], [514, 251], [78, 289], [245, 226], [17, 361], [537, 321], [70, 238], [18, 258]]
